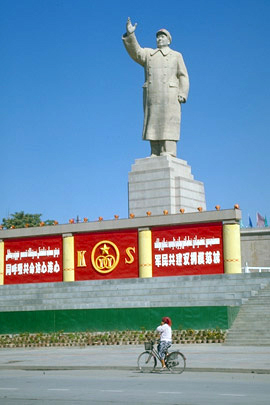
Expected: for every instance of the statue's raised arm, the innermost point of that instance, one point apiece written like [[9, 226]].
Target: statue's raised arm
[[129, 27]]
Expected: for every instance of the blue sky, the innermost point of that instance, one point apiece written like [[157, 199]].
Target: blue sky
[[71, 102]]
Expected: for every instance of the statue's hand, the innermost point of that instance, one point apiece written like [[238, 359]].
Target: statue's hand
[[129, 27], [181, 99]]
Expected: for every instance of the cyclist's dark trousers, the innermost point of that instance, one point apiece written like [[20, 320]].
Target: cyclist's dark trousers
[[162, 348]]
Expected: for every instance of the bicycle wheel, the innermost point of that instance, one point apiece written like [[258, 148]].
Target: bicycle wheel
[[146, 362], [176, 362]]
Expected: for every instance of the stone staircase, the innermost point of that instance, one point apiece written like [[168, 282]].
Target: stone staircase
[[252, 324], [186, 291]]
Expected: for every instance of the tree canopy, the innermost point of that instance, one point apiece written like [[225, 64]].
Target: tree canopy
[[22, 220]]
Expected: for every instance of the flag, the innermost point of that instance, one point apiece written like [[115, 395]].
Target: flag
[[250, 222], [260, 220], [265, 221], [241, 224]]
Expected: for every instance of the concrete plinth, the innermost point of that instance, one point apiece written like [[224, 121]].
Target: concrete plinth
[[163, 183]]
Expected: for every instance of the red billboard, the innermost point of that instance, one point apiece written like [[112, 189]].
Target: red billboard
[[187, 250], [33, 260], [106, 255]]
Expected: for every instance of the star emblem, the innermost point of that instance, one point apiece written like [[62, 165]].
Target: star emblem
[[105, 249]]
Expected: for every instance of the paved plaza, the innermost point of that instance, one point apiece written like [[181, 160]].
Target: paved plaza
[[200, 357]]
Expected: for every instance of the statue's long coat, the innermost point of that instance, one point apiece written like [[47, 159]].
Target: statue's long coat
[[166, 79]]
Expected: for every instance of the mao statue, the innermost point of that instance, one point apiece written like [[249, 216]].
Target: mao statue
[[165, 89]]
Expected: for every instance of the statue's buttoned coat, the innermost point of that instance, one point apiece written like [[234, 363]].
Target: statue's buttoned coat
[[166, 79]]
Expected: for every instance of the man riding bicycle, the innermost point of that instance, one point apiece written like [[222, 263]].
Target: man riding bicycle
[[165, 332]]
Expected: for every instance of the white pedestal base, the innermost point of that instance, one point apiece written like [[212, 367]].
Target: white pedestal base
[[163, 183]]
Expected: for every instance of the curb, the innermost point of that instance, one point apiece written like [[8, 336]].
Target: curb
[[133, 368]]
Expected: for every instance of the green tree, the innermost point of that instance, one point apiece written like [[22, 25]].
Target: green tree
[[22, 220]]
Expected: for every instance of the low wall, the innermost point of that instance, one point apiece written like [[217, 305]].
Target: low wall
[[255, 247]]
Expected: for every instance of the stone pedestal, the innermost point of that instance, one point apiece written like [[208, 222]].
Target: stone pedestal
[[163, 183]]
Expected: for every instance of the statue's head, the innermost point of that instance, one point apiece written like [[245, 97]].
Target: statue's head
[[164, 38]]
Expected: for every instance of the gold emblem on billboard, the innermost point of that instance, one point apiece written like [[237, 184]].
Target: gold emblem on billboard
[[105, 256], [81, 258], [129, 252]]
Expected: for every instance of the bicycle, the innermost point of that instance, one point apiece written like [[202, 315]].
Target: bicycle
[[147, 361]]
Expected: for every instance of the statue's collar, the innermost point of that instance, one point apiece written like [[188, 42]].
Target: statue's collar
[[165, 51]]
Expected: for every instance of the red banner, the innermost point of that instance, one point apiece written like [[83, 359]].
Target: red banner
[[187, 250], [107, 255], [33, 260]]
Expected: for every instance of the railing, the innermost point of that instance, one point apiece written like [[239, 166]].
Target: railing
[[248, 269]]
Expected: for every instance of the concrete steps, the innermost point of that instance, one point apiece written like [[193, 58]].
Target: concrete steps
[[128, 294], [184, 291], [175, 287], [252, 325], [124, 304]]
